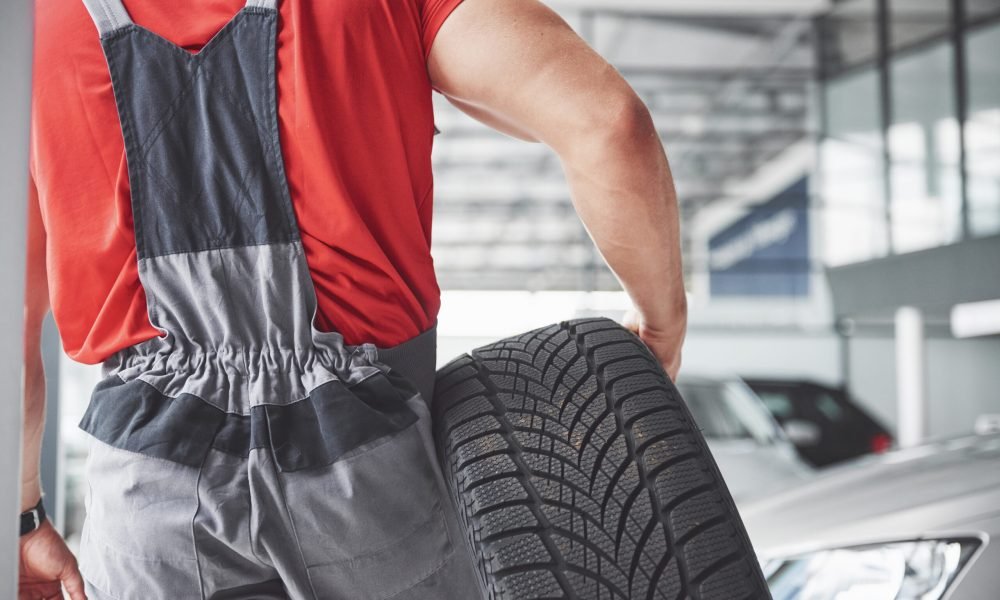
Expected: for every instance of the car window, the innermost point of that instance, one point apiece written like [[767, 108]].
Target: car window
[[779, 403], [704, 403], [728, 410], [829, 407]]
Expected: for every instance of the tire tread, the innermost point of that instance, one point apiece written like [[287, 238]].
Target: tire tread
[[579, 473]]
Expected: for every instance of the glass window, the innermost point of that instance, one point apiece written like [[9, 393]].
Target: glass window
[[779, 403], [852, 171], [848, 35], [978, 9], [982, 131], [829, 407], [924, 150], [914, 21]]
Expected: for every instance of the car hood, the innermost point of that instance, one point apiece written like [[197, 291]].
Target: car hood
[[936, 487]]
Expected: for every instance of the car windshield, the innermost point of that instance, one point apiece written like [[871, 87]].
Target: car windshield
[[819, 405], [728, 410]]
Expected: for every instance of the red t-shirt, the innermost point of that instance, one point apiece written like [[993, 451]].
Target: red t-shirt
[[356, 127]]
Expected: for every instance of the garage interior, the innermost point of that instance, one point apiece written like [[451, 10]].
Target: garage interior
[[837, 164]]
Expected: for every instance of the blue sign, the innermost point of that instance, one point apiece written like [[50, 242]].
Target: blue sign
[[766, 252]]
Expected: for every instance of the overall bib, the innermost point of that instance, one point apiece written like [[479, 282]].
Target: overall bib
[[243, 453]]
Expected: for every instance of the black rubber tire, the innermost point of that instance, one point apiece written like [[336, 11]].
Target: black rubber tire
[[579, 473]]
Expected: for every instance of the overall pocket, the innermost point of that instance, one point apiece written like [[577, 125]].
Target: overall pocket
[[137, 539], [373, 524]]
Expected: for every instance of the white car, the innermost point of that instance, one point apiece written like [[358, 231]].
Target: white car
[[752, 451], [921, 523]]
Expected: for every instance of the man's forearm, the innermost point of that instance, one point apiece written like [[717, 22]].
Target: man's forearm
[[624, 193], [36, 307], [34, 422]]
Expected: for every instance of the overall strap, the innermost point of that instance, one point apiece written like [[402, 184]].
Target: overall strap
[[108, 15], [272, 4]]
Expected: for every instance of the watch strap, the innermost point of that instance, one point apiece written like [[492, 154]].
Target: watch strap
[[32, 518]]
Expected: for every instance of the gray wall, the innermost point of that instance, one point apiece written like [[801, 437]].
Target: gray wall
[[963, 380], [763, 353]]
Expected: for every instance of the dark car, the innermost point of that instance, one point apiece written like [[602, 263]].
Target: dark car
[[823, 422]]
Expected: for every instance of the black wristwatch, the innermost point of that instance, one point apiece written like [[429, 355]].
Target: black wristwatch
[[32, 518]]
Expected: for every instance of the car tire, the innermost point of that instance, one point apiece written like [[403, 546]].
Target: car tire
[[579, 473]]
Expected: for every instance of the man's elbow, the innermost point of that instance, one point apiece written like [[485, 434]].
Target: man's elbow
[[616, 120], [629, 120]]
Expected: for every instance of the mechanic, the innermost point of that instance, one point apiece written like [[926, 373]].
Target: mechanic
[[230, 212]]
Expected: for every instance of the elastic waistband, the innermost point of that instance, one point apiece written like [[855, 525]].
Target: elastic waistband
[[415, 359]]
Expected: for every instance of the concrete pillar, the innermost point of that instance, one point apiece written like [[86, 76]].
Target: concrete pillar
[[15, 96], [911, 377]]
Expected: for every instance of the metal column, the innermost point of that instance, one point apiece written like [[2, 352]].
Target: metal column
[[911, 376], [15, 96]]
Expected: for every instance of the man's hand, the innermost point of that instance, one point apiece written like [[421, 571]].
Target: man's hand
[[665, 342], [47, 565], [518, 67]]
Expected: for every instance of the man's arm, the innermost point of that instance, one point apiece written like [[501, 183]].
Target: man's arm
[[46, 564], [36, 306], [517, 66]]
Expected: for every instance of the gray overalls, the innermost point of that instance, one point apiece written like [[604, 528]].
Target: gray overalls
[[243, 453]]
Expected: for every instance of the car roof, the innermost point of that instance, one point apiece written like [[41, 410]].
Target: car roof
[[778, 382]]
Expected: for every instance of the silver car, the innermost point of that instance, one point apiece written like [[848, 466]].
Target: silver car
[[920, 523], [752, 451]]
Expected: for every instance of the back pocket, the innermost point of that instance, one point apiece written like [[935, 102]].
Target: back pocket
[[373, 524], [136, 540]]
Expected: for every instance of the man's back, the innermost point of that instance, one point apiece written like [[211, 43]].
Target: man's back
[[356, 128], [245, 452], [244, 446]]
